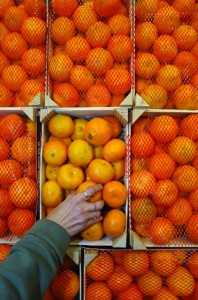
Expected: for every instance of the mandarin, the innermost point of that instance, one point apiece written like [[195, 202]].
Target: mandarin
[[70, 176], [114, 194], [114, 223], [100, 171], [114, 150], [98, 131], [52, 193], [93, 232]]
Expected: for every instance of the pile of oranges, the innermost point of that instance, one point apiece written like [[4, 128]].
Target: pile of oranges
[[18, 188], [166, 64], [80, 153], [164, 178], [138, 275], [90, 61], [22, 51]]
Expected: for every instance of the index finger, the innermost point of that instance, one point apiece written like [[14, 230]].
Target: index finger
[[89, 192]]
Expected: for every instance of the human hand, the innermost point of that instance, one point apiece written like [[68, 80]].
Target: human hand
[[75, 213]]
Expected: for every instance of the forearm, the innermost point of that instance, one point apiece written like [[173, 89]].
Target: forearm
[[33, 262]]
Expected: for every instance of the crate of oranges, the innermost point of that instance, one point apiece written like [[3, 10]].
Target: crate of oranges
[[166, 54], [78, 154], [90, 53], [139, 274], [23, 32], [18, 173], [164, 178]]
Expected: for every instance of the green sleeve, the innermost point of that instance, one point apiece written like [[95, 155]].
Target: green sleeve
[[33, 262]]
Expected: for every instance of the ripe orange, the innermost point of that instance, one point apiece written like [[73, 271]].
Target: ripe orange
[[191, 228], [6, 96], [142, 183], [70, 176], [99, 61], [64, 8], [142, 229], [194, 80], [119, 169], [33, 61], [142, 144], [131, 293], [185, 37], [138, 164], [14, 45], [169, 77], [165, 193], [114, 223], [167, 19], [163, 262], [65, 284], [33, 31], [180, 256], [35, 8], [77, 48], [10, 171], [30, 89], [186, 62], [5, 148], [55, 152], [161, 165], [119, 23], [52, 193], [51, 172], [84, 185], [79, 131], [119, 280], [107, 8], [98, 34], [114, 194], [20, 221], [185, 8], [62, 29], [118, 81], [193, 20], [23, 149], [61, 126], [193, 199], [185, 97], [101, 267], [145, 35], [117, 100], [93, 232], [146, 65], [23, 193], [13, 77], [4, 5], [193, 264], [80, 153], [141, 124], [149, 283], [98, 131], [4, 251], [3, 31], [30, 170], [4, 62], [181, 282], [163, 294], [145, 10], [83, 17], [98, 290], [14, 18], [114, 150], [186, 178], [116, 125], [81, 78], [100, 171], [6, 206], [136, 263], [155, 96], [161, 231], [97, 95], [165, 48], [164, 128], [60, 66], [143, 210], [120, 46], [3, 227], [66, 95]]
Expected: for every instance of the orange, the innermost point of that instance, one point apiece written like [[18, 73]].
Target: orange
[[193, 264], [165, 48], [33, 31], [79, 131], [97, 95], [77, 48], [186, 178], [98, 131], [99, 61], [185, 8], [193, 199], [142, 183], [3, 227], [145, 35], [30, 170], [131, 293], [141, 124], [191, 228], [142, 229], [81, 78], [84, 185], [107, 8], [143, 210], [155, 95], [169, 77], [98, 151], [164, 128], [114, 223], [142, 144], [66, 95], [70, 176], [20, 221], [33, 61], [6, 96], [167, 19], [188, 126], [145, 10], [93, 232], [181, 282], [3, 31], [51, 172], [98, 290], [80, 153], [6, 206], [14, 45], [5, 148], [13, 77], [98, 34], [12, 126], [117, 100], [149, 283], [31, 128], [146, 65], [180, 212], [66, 140], [23, 149], [4, 5], [61, 126], [185, 37], [119, 280], [10, 171], [186, 61], [62, 29], [23, 193], [119, 23], [65, 284], [118, 81], [163, 294], [194, 80], [161, 165], [117, 256], [114, 150], [138, 164], [136, 263], [14, 18], [4, 251], [180, 256], [55, 152], [194, 49], [165, 193], [100, 267], [83, 17], [193, 20], [185, 97], [52, 193], [35, 8], [115, 124], [114, 194], [30, 89], [120, 46], [64, 8], [100, 171], [119, 169], [60, 66], [163, 262], [161, 231], [4, 62]]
